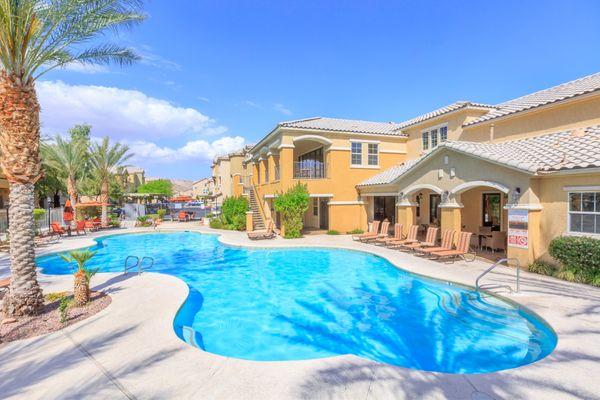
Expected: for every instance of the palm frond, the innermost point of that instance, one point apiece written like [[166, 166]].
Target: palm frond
[[39, 35]]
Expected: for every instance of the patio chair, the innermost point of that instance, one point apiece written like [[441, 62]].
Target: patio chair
[[397, 235], [263, 234], [80, 227], [56, 229], [4, 284], [413, 231], [383, 233], [430, 239], [183, 217], [446, 244], [462, 249], [372, 232], [497, 241]]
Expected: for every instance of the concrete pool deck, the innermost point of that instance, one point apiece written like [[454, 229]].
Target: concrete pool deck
[[130, 350]]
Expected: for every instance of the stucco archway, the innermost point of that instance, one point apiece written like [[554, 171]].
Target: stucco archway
[[463, 187]]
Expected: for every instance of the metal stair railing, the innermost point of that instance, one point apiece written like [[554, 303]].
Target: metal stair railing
[[494, 265]]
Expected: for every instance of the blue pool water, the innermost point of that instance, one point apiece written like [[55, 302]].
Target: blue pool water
[[294, 304]]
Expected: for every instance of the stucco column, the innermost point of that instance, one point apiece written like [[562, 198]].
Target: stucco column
[[451, 218], [526, 254], [286, 166], [249, 222], [407, 214]]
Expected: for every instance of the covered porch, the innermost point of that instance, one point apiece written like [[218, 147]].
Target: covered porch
[[498, 204]]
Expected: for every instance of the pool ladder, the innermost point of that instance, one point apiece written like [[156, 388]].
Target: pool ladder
[[494, 265], [139, 263]]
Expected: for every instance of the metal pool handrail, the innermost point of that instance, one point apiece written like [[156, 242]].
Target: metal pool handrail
[[139, 263], [494, 265]]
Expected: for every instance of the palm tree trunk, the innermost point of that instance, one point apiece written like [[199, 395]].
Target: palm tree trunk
[[25, 295], [72, 191], [20, 162], [104, 201]]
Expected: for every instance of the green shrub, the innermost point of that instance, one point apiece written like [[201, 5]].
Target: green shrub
[[234, 212], [161, 213], [356, 232], [333, 232], [292, 205], [542, 268], [578, 254], [209, 215], [152, 216], [38, 215], [216, 223]]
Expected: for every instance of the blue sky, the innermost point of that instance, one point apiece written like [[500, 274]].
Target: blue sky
[[217, 74]]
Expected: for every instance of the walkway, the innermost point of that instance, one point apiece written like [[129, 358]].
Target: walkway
[[130, 350]]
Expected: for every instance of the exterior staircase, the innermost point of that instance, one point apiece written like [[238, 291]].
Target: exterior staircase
[[257, 220]]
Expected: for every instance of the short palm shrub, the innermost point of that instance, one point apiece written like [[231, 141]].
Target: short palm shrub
[[579, 258], [542, 268], [234, 212], [161, 213], [292, 205], [333, 232], [63, 309], [144, 220], [83, 275]]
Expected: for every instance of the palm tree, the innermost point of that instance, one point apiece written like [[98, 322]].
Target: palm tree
[[68, 159], [105, 160], [37, 36]]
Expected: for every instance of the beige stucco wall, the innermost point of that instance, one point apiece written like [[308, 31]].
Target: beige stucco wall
[[554, 199], [582, 112]]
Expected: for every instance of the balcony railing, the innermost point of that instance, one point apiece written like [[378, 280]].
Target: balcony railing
[[310, 170]]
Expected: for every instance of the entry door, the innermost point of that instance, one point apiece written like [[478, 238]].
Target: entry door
[[492, 211], [434, 208], [324, 214]]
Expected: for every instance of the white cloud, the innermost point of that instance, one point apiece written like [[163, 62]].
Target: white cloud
[[118, 113], [149, 57], [85, 68], [282, 109], [251, 104], [204, 99], [200, 150]]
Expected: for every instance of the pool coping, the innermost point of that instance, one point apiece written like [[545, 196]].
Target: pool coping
[[573, 382]]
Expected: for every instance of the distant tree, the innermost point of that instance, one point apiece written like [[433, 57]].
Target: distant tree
[[81, 134], [159, 186], [105, 159]]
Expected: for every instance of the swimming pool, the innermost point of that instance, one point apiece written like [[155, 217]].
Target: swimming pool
[[305, 303]]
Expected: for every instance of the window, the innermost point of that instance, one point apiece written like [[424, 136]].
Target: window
[[584, 212], [434, 138], [425, 137], [443, 134], [356, 153], [373, 154], [315, 206]]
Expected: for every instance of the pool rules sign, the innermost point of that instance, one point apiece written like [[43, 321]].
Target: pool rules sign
[[518, 221]]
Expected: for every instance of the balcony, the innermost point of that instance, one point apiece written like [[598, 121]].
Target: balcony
[[310, 169]]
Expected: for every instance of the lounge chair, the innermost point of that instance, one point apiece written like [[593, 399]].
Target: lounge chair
[[447, 242], [410, 238], [80, 227], [372, 232], [383, 233], [91, 226], [263, 234], [57, 229], [397, 235], [429, 241], [462, 249]]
